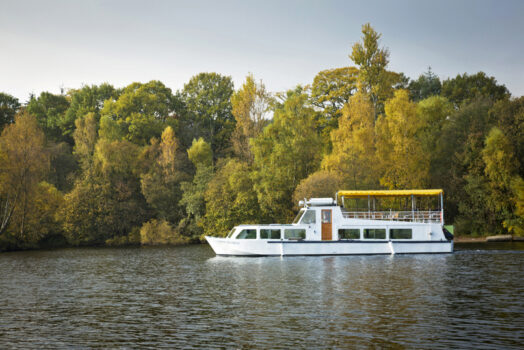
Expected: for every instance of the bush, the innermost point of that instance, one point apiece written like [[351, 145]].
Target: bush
[[156, 232]]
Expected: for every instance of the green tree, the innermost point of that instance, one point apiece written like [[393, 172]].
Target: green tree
[[287, 151], [427, 84], [250, 106], [465, 88], [230, 199], [331, 90], [140, 113], [207, 97], [9, 106], [85, 136], [193, 197], [49, 110], [88, 99]]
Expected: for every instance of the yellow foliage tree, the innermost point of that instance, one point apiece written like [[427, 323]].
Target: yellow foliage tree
[[402, 160], [353, 142]]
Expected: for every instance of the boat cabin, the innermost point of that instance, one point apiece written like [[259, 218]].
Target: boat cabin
[[358, 216]]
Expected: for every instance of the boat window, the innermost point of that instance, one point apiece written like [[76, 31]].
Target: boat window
[[247, 234], [401, 233], [231, 232], [308, 217], [294, 233], [270, 233], [326, 216], [375, 233], [349, 233], [299, 215]]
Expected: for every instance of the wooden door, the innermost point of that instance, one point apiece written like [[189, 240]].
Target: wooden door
[[326, 225]]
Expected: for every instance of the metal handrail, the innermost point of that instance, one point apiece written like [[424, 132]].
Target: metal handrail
[[409, 216]]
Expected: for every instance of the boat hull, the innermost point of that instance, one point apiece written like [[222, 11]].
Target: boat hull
[[255, 247]]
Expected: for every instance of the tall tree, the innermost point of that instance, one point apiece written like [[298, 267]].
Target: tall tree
[[287, 151], [9, 105], [403, 160], [193, 197], [250, 107], [372, 62], [353, 155], [161, 184], [207, 97], [24, 164]]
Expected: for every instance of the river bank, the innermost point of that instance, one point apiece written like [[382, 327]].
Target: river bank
[[497, 238]]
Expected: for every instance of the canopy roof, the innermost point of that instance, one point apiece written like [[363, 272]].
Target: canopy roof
[[390, 193]]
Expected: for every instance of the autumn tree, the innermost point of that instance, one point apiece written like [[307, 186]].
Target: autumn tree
[[403, 161], [353, 154], [286, 152], [24, 163], [250, 107], [161, 184], [320, 184]]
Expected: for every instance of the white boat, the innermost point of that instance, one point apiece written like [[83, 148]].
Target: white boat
[[327, 226]]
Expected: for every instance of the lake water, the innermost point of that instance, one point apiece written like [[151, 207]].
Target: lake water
[[185, 297]]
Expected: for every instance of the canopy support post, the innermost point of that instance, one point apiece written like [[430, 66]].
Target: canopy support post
[[413, 207]]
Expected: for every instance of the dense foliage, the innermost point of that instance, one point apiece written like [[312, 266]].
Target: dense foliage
[[101, 165]]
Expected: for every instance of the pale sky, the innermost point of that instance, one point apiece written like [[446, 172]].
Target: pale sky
[[48, 45]]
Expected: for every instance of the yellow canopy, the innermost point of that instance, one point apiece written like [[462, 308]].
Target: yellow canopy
[[390, 193]]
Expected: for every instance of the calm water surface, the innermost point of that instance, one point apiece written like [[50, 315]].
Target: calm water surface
[[185, 297]]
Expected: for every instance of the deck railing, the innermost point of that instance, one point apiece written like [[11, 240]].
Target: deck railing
[[411, 216]]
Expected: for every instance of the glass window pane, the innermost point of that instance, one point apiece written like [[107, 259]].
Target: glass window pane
[[269, 234], [309, 217], [375, 233], [401, 233], [349, 233], [299, 215], [247, 234], [326, 216], [294, 233]]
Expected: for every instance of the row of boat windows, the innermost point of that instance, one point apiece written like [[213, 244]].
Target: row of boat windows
[[375, 233], [345, 233], [289, 233]]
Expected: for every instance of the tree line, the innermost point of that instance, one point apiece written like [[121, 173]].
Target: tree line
[[142, 164]]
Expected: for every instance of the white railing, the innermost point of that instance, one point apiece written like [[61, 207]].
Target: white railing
[[411, 216]]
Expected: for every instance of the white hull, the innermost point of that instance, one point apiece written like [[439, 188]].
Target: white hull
[[227, 246]]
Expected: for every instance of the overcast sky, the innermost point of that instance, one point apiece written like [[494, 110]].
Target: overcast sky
[[48, 45]]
